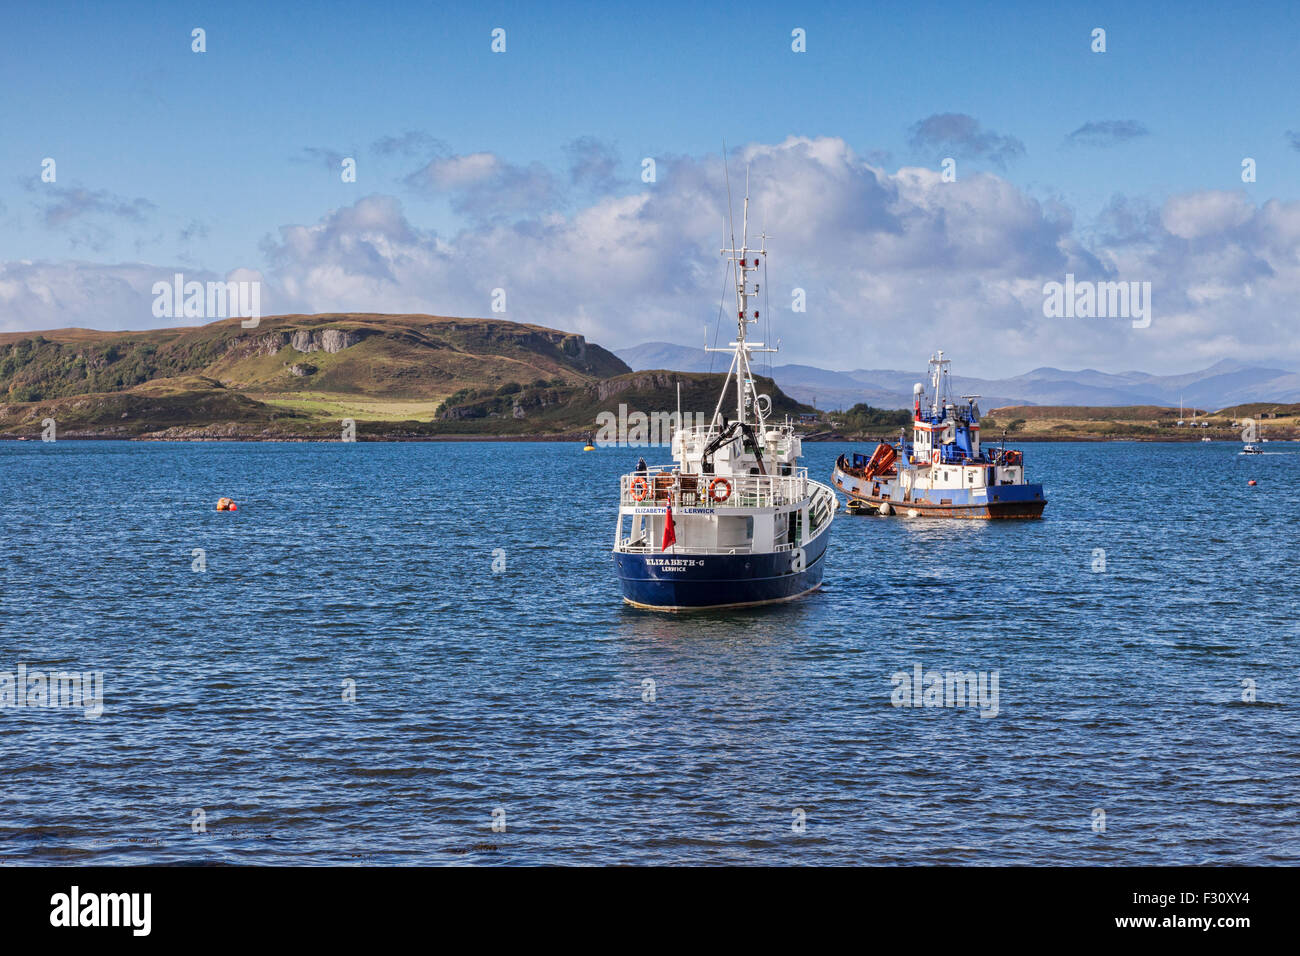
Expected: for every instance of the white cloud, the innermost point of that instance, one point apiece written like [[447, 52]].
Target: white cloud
[[45, 295], [1206, 213], [75, 294], [459, 172], [483, 187]]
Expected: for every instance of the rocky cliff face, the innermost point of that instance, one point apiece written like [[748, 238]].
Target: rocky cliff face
[[626, 383], [324, 340], [330, 341]]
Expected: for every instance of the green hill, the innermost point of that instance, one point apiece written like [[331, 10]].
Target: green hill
[[1263, 411], [1140, 422], [416, 356]]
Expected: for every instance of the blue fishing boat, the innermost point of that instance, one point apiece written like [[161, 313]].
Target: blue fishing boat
[[734, 521], [945, 471]]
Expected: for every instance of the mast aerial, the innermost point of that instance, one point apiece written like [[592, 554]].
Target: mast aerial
[[746, 261], [938, 369]]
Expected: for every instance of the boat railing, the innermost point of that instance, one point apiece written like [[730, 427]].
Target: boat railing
[[710, 431], [641, 546], [664, 486]]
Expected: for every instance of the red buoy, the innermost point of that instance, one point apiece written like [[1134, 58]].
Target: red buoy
[[1251, 482]]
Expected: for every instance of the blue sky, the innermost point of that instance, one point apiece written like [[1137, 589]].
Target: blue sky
[[174, 159]]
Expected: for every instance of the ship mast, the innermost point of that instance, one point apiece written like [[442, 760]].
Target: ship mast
[[938, 370], [746, 261]]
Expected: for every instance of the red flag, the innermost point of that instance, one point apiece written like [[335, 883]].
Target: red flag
[[670, 532]]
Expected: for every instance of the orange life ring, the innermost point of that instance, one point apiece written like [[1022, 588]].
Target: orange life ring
[[640, 488], [715, 494]]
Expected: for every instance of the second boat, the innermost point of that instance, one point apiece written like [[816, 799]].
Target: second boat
[[945, 471]]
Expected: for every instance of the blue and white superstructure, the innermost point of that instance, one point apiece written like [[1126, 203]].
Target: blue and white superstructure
[[945, 471], [734, 520]]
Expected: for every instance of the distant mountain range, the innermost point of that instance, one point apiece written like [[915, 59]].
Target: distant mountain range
[[1221, 385]]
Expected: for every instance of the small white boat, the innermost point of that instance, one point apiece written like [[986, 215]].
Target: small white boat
[[1249, 449]]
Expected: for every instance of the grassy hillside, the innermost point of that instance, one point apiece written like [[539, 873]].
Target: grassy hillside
[[293, 374], [1088, 413], [1151, 422], [420, 356], [1263, 411], [169, 405]]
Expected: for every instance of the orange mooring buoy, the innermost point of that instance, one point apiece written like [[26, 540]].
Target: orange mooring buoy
[[1251, 482], [225, 504]]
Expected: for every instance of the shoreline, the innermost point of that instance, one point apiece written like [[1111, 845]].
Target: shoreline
[[580, 438]]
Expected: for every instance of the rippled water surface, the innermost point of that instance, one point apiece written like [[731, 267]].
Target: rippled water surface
[[1118, 690]]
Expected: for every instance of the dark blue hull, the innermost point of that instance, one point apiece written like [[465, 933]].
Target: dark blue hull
[[696, 581]]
